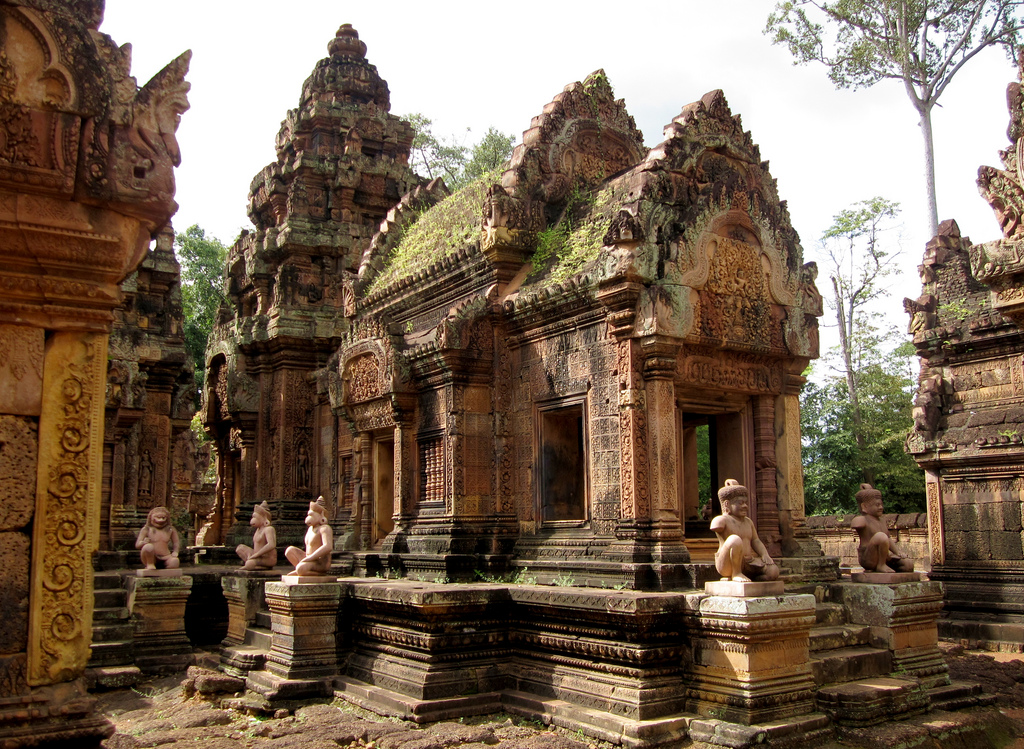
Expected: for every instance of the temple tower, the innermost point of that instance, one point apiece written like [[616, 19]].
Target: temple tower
[[342, 163]]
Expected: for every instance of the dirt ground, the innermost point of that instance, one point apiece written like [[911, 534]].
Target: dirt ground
[[167, 712]]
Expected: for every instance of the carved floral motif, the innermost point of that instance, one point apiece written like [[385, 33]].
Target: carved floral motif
[[64, 534], [363, 378]]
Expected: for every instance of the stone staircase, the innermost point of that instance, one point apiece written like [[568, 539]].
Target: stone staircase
[[239, 660], [111, 659], [856, 685]]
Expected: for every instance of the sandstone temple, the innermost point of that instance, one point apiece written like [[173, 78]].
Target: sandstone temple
[[498, 396], [512, 375]]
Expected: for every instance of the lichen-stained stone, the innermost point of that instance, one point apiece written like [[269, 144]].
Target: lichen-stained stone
[[21, 369], [18, 438], [13, 591], [12, 675], [904, 617]]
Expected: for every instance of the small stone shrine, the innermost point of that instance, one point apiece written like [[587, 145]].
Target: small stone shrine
[[86, 180], [342, 164], [968, 433], [578, 316]]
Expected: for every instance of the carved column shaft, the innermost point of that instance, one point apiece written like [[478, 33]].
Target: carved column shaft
[[66, 529], [765, 489], [634, 468], [364, 490], [789, 470], [404, 478], [936, 530], [248, 458]]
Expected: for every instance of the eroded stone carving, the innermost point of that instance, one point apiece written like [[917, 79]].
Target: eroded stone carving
[[18, 436], [741, 556], [158, 541], [877, 551], [263, 552]]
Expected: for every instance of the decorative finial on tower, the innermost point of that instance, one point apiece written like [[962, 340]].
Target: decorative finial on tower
[[346, 43]]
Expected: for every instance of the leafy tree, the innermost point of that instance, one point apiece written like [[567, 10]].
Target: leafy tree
[[434, 157], [834, 463], [202, 280], [455, 162], [855, 419], [858, 266], [493, 150], [922, 44]]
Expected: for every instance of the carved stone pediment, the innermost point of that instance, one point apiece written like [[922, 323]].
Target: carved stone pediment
[[367, 371], [584, 136]]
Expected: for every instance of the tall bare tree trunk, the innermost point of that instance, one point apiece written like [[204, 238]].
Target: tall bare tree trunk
[[845, 332], [925, 111]]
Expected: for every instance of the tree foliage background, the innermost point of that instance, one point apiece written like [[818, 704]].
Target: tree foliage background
[[921, 44], [202, 283], [833, 461], [452, 160], [857, 410]]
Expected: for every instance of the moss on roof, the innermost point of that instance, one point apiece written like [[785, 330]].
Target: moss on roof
[[441, 230], [574, 244]]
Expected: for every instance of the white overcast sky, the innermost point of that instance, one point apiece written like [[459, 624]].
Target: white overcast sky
[[477, 64]]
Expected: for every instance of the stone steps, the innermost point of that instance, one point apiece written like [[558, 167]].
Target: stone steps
[[849, 664], [117, 629], [105, 617], [838, 637], [239, 660], [867, 702], [106, 580], [258, 637], [830, 614], [110, 653], [959, 694], [262, 619], [111, 598]]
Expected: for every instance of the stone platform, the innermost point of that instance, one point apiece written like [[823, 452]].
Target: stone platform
[[639, 669]]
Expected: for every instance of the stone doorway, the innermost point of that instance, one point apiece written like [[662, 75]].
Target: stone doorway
[[714, 446], [383, 490]]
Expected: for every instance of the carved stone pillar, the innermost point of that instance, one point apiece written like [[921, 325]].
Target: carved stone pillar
[[157, 606], [77, 213], [751, 660], [303, 656], [634, 468], [248, 459], [936, 530], [765, 488], [404, 478], [789, 473], [66, 528], [663, 449], [649, 536], [364, 490]]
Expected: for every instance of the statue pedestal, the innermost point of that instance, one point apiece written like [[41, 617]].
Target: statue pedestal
[[904, 618], [157, 608], [750, 658], [886, 578], [744, 590], [303, 657]]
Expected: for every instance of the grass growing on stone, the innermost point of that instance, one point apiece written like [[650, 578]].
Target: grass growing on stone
[[565, 249], [442, 230]]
